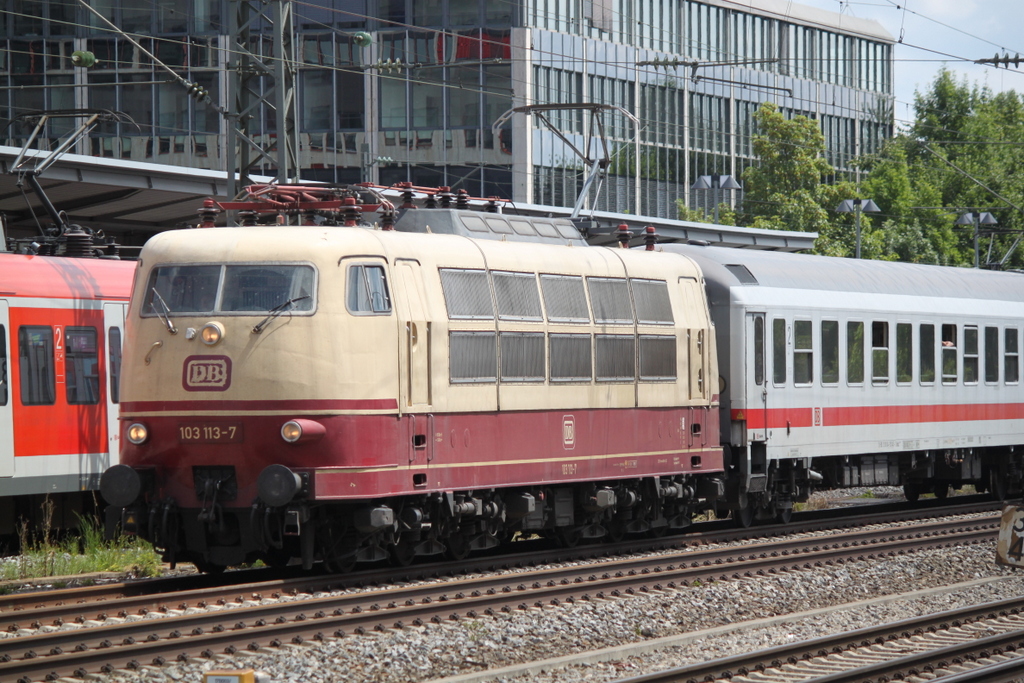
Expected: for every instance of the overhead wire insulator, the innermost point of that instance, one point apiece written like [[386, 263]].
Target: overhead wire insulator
[[362, 39], [83, 58]]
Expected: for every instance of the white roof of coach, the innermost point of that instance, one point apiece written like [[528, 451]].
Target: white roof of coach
[[804, 271]]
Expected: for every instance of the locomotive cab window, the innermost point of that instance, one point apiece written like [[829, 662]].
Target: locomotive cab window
[[1011, 358], [949, 357], [36, 365], [367, 290], [803, 353], [244, 289], [970, 354], [81, 366], [879, 352]]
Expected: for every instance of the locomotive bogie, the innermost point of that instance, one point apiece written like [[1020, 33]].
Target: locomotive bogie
[[431, 393]]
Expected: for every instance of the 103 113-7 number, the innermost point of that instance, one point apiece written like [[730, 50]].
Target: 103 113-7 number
[[210, 433]]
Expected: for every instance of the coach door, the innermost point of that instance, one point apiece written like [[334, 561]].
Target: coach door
[[113, 325], [6, 399], [757, 385]]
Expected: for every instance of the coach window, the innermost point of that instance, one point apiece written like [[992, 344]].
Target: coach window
[[992, 355], [570, 356], [926, 346], [803, 353], [517, 295], [474, 357], [82, 366], [829, 352], [759, 350], [467, 294], [949, 359], [970, 354], [855, 352], [879, 352], [779, 350], [3, 365], [565, 298], [35, 355], [367, 291], [114, 363], [1011, 367], [904, 353]]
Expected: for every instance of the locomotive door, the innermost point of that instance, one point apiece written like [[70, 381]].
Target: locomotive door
[[113, 325], [414, 348], [757, 388], [6, 399]]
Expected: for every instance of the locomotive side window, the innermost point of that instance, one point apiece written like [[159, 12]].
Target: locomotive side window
[[778, 350], [904, 353], [367, 290], [114, 363], [880, 352], [565, 299], [829, 352], [1011, 359], [949, 360], [614, 357], [517, 295], [803, 353], [855, 352], [992, 354], [610, 298], [926, 344], [467, 294], [81, 366], [653, 306], [970, 354], [36, 365], [522, 356], [3, 365], [570, 357], [657, 357], [473, 357]]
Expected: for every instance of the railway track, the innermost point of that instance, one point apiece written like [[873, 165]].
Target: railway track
[[163, 636], [981, 643]]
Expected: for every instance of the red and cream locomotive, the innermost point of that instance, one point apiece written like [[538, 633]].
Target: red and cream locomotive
[[349, 394]]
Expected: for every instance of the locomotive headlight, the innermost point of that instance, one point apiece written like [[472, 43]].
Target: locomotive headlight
[[291, 431], [211, 333], [137, 433]]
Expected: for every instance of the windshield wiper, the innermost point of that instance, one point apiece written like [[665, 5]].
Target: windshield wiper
[[276, 311], [166, 315]]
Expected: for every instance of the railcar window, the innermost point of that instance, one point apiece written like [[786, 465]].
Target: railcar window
[[829, 352], [114, 363], [610, 299], [36, 365], [1011, 359], [653, 306], [570, 357], [904, 352], [880, 352], [970, 354], [522, 356], [565, 298], [367, 290], [473, 357], [759, 350], [949, 359], [657, 357], [803, 352], [467, 294], [926, 344], [517, 295], [3, 365], [82, 366], [615, 357], [855, 352], [991, 354], [779, 351], [242, 288]]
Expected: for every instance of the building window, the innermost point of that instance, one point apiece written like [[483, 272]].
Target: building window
[[829, 352], [803, 353], [880, 352], [926, 345], [36, 364], [1011, 359]]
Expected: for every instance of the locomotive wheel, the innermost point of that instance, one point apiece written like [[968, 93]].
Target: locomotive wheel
[[744, 516], [997, 484], [277, 558], [206, 567], [403, 553], [941, 490], [911, 492], [568, 538], [784, 515], [616, 531], [457, 547]]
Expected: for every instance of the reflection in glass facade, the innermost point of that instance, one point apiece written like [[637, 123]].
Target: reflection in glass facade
[[419, 102]]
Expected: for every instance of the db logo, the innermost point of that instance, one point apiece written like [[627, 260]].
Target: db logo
[[206, 373], [568, 432]]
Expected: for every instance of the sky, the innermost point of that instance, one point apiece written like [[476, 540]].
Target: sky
[[937, 33]]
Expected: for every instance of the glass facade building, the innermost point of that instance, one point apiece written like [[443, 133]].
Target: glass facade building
[[418, 103]]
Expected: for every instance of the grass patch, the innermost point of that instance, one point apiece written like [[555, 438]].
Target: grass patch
[[86, 552]]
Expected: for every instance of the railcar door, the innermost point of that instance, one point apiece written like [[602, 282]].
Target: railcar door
[[6, 400], [756, 400], [113, 324]]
